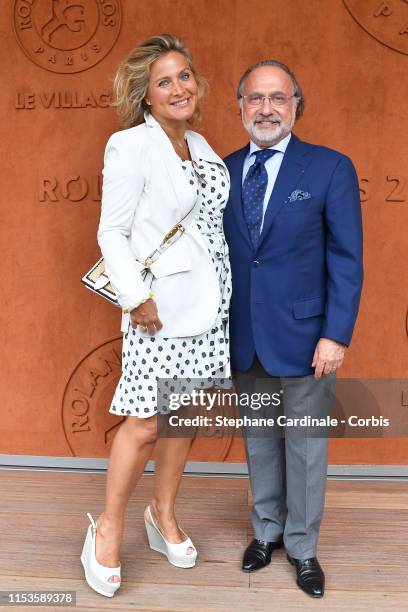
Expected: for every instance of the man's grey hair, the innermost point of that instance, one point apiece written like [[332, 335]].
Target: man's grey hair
[[300, 106]]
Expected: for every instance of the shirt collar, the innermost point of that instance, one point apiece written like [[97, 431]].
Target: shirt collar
[[279, 146], [149, 119]]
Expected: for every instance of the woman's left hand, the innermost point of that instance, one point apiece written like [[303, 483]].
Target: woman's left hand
[[147, 317]]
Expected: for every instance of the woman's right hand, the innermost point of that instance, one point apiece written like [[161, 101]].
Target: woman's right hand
[[147, 317]]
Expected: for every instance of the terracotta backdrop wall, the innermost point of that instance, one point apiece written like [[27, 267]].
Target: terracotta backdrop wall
[[60, 344]]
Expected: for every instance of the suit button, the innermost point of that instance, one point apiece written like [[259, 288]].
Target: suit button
[[256, 263]]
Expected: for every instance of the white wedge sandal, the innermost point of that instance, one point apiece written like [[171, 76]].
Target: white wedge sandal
[[97, 575], [175, 553]]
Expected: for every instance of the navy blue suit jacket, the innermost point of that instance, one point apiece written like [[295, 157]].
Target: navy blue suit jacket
[[304, 280]]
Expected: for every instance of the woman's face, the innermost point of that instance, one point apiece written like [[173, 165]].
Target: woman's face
[[172, 91]]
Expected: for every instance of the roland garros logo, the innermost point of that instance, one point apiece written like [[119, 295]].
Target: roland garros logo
[[384, 20], [66, 36], [88, 426]]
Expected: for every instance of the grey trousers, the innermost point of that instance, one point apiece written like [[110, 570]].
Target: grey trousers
[[287, 466]]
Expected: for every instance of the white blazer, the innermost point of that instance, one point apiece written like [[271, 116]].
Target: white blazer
[[144, 194]]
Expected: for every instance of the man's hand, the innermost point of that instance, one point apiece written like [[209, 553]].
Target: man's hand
[[147, 317], [328, 357]]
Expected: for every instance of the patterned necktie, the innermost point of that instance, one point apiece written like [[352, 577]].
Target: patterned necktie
[[253, 193]]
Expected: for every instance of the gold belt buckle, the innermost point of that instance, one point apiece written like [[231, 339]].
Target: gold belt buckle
[[177, 228], [173, 232]]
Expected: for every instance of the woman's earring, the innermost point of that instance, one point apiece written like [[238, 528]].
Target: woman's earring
[[148, 103]]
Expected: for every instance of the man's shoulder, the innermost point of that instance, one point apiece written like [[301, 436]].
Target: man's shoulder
[[322, 151], [235, 156], [325, 161]]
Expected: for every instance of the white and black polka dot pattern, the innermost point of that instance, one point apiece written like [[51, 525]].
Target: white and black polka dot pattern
[[206, 356]]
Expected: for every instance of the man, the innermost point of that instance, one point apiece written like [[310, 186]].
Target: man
[[293, 225]]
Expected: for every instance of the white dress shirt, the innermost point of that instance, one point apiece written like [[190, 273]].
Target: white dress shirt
[[272, 166]]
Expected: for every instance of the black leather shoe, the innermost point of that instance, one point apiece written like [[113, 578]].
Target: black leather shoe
[[258, 554], [310, 576]]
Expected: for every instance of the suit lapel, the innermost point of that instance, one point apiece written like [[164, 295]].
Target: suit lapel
[[291, 170], [236, 169], [171, 161]]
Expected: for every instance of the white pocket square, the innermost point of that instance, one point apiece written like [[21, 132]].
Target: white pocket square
[[298, 194]]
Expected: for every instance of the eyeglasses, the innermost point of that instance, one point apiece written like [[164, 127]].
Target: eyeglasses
[[276, 99]]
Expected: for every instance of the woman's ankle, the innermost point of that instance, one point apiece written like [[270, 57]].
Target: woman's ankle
[[108, 522], [162, 512]]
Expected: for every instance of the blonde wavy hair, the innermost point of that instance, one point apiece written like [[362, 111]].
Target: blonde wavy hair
[[132, 78]]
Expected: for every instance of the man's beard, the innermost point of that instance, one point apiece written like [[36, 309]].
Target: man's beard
[[269, 137]]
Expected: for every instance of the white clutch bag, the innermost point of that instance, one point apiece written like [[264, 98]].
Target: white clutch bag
[[97, 281]]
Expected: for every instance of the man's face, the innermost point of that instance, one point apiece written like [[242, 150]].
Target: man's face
[[268, 124]]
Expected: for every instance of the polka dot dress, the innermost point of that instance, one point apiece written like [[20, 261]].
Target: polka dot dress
[[181, 364]]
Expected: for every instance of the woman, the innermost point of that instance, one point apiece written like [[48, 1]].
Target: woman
[[158, 173]]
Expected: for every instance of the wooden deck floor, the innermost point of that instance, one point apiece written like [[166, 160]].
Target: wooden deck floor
[[363, 546]]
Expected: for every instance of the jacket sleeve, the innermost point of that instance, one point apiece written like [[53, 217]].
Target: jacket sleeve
[[122, 187], [344, 253]]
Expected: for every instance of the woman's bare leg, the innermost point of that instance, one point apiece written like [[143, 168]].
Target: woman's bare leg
[[131, 449], [170, 458]]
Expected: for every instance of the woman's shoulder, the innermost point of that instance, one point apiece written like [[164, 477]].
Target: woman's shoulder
[[126, 147], [198, 139], [202, 148], [130, 136]]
